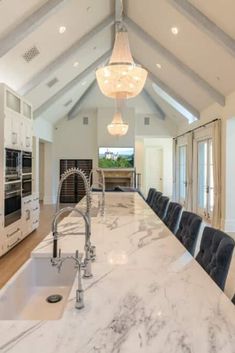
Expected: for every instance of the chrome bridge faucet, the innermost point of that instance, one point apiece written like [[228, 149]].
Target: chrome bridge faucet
[[58, 262], [89, 251]]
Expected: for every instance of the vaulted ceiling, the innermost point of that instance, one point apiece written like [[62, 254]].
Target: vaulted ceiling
[[195, 68]]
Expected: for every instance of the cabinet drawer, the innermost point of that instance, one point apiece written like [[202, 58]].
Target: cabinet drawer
[[13, 236], [35, 224]]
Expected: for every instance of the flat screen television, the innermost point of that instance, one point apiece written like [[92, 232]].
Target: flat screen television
[[116, 157]]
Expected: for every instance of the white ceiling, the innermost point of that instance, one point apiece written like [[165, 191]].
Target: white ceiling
[[192, 46]]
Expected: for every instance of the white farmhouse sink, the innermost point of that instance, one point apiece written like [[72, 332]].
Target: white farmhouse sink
[[24, 296]]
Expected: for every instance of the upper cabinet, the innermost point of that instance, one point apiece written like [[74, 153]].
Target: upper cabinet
[[18, 119]]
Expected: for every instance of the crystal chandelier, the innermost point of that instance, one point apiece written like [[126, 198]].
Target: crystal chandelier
[[121, 78], [117, 126]]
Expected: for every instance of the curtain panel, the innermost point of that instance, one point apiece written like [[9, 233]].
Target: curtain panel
[[216, 155]]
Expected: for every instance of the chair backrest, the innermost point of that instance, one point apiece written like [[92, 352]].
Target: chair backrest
[[155, 198], [161, 206], [173, 216], [188, 230], [215, 254], [233, 299], [150, 195]]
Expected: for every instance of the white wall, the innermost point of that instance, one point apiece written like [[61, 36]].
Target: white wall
[[73, 140], [157, 126], [167, 173], [43, 129]]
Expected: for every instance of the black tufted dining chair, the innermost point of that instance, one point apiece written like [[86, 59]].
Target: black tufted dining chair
[[233, 299], [155, 198], [172, 217], [150, 195], [215, 254], [188, 230], [161, 206]]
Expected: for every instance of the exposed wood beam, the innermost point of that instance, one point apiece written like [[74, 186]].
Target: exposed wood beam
[[75, 109], [215, 94], [40, 110], [171, 92], [205, 24], [160, 113], [29, 25], [64, 57]]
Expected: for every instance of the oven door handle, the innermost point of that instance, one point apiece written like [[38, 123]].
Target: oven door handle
[[12, 194]]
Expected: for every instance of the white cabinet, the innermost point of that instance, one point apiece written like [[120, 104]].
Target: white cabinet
[[13, 235], [18, 123], [35, 211], [26, 133], [27, 215], [12, 131]]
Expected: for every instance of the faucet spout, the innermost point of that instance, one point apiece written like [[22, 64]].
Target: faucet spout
[[87, 246]]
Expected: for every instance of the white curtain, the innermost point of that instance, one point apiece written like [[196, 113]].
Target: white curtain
[[174, 195], [216, 152], [189, 194]]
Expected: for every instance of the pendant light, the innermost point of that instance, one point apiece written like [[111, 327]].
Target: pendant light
[[117, 126], [121, 78]]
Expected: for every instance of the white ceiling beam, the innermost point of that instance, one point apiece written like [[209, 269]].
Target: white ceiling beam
[[77, 106], [29, 25], [65, 56], [171, 92], [214, 94], [40, 110], [205, 24], [160, 113], [118, 10]]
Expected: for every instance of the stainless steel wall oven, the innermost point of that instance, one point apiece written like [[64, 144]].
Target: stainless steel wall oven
[[12, 202]]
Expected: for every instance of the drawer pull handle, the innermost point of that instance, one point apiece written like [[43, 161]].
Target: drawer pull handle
[[13, 244], [16, 231], [27, 202]]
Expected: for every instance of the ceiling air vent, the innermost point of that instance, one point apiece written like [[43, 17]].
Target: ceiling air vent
[[68, 103], [147, 120], [52, 82], [30, 54], [85, 120]]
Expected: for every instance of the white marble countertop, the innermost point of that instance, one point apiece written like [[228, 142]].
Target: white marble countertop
[[147, 294]]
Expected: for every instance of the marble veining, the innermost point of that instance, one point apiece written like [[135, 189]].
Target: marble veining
[[147, 295]]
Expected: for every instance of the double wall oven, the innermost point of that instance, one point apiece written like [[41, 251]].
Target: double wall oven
[[26, 174], [18, 182]]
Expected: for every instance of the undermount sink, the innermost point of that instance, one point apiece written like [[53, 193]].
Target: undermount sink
[[24, 297]]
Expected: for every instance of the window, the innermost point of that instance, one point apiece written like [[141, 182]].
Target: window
[[182, 174], [205, 181]]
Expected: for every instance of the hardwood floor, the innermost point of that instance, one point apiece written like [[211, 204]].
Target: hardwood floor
[[16, 257]]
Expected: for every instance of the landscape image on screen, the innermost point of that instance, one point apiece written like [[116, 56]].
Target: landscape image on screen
[[114, 157]]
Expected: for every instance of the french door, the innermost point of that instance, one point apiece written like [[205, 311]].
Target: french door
[[205, 180], [182, 183]]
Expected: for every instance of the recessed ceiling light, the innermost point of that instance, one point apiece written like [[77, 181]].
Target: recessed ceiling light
[[75, 64], [175, 30], [62, 29], [83, 83], [159, 66]]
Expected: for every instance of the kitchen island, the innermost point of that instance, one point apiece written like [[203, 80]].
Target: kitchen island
[[147, 293]]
